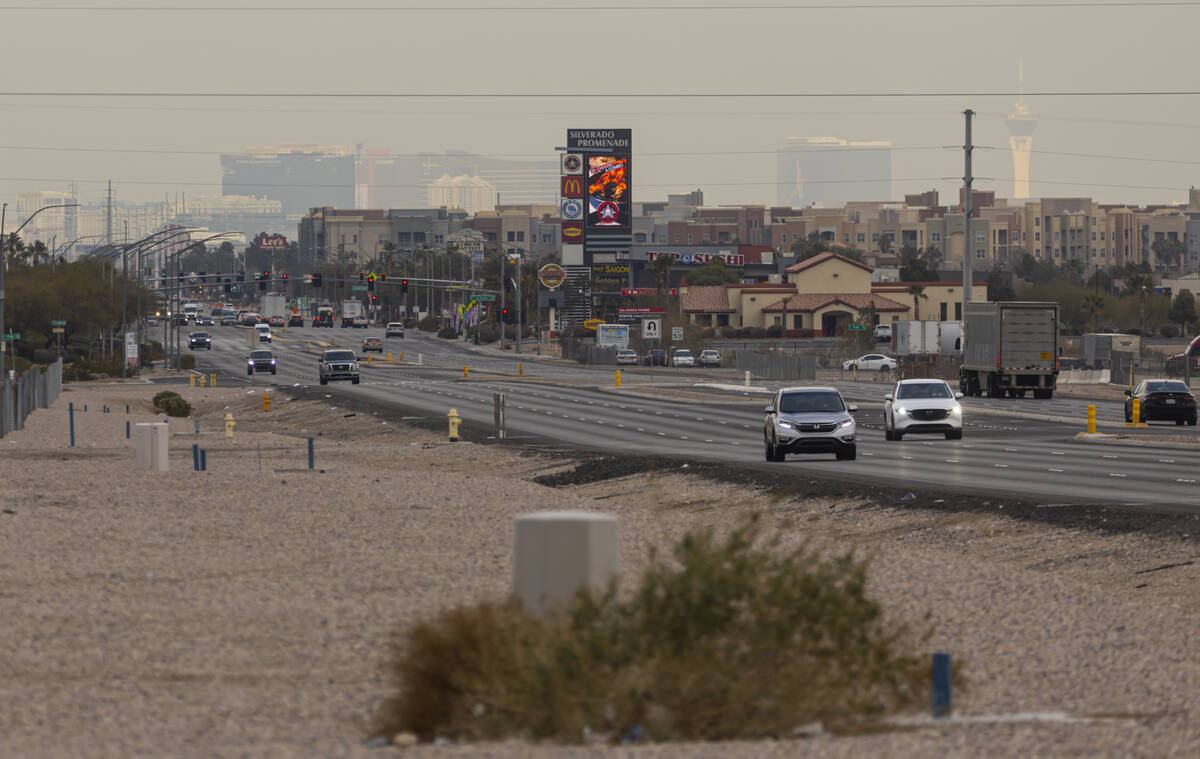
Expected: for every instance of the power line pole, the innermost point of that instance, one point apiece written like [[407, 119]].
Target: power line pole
[[503, 288], [108, 217], [968, 245]]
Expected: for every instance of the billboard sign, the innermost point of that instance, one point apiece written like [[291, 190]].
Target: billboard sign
[[616, 335], [572, 209], [615, 140], [572, 163], [609, 278], [686, 258], [608, 192], [552, 275], [272, 242], [572, 187], [572, 231]]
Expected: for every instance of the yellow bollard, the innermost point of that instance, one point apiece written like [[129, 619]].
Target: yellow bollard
[[203, 381], [368, 358], [618, 378], [266, 402], [464, 372], [455, 421], [1092, 419], [212, 380], [331, 341], [229, 424], [191, 380], [389, 357], [1137, 411], [402, 357]]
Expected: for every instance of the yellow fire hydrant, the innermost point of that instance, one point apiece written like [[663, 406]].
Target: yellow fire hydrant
[[464, 372], [266, 402], [455, 421], [229, 424], [212, 380], [203, 381], [191, 380]]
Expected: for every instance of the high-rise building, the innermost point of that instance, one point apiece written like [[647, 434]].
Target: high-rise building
[[831, 170], [1021, 124], [405, 181], [300, 177]]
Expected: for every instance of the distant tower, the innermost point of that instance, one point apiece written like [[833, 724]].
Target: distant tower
[[1021, 124]]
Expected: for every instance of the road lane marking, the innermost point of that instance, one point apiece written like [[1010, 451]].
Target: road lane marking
[[1010, 450], [1052, 469], [951, 461], [1166, 461], [1115, 474], [1109, 457], [1000, 466]]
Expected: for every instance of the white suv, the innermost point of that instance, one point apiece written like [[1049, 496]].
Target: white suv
[[809, 420], [922, 405]]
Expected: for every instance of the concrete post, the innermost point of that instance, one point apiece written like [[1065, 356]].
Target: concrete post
[[150, 447], [558, 552]]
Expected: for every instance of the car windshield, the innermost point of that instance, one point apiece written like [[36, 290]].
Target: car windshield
[[261, 354], [683, 353], [815, 401], [1167, 387], [924, 390], [339, 355], [199, 334], [395, 325], [371, 340]]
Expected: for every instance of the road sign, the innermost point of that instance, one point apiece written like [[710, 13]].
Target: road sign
[[652, 328], [858, 327], [358, 288], [593, 323], [58, 323], [58, 330], [12, 336], [484, 296], [676, 333]]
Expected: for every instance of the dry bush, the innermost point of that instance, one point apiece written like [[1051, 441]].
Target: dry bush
[[732, 638]]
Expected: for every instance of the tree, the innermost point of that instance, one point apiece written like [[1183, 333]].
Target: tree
[[918, 293], [1183, 310], [1093, 304], [913, 267], [715, 272], [999, 286], [661, 268], [1169, 253], [885, 245], [807, 247]]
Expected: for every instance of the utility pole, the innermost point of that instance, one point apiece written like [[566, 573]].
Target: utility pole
[[968, 245], [503, 256], [108, 217], [517, 288]]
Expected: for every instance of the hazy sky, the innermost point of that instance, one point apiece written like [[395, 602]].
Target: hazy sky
[[723, 145]]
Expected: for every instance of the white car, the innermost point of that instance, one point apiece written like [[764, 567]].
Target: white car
[[809, 420], [264, 332], [872, 362], [882, 333], [922, 405], [394, 329], [627, 357], [683, 357], [710, 358]]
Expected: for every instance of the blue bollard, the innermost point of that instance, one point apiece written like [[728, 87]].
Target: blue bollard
[[941, 685], [197, 421], [310, 453], [126, 408], [85, 408], [126, 430], [195, 457], [203, 461], [71, 417]]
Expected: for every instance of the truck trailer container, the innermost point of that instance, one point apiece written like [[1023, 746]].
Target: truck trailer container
[[1010, 348]]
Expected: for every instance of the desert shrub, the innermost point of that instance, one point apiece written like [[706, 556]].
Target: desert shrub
[[187, 362], [732, 638], [447, 333], [487, 333], [175, 406], [1167, 330], [775, 331], [162, 395], [429, 324]]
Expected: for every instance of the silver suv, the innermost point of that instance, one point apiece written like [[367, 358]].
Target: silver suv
[[809, 420], [338, 364]]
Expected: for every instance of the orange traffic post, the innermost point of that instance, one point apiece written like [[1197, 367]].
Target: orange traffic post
[[520, 369], [266, 402], [464, 372], [1137, 411], [1092, 419], [618, 378]]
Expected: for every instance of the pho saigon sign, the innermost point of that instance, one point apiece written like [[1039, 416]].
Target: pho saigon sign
[[552, 275]]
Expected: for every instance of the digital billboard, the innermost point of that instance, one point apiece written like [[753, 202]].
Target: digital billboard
[[608, 192]]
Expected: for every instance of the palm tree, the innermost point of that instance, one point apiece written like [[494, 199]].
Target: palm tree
[[917, 292], [661, 266], [1093, 305]]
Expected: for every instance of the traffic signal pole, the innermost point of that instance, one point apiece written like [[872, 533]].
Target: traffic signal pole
[[503, 289]]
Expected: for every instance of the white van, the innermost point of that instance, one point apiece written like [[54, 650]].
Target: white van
[[264, 332]]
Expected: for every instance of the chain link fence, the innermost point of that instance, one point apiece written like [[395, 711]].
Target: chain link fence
[[21, 395], [776, 366]]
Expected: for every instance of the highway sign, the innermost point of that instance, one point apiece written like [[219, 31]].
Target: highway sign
[[652, 328], [676, 333], [58, 323], [858, 327], [484, 296], [358, 288]]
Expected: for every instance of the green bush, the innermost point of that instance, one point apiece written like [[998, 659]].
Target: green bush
[[175, 406], [447, 333], [732, 639], [187, 362], [162, 395]]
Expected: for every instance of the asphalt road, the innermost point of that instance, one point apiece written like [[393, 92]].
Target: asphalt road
[[1011, 447]]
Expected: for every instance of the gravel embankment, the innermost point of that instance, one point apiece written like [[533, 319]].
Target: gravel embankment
[[245, 611]]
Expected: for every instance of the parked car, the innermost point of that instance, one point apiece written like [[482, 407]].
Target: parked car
[[872, 362], [655, 358], [683, 357], [372, 344], [338, 364], [709, 358], [882, 333], [627, 357], [151, 321], [264, 332], [1162, 400], [394, 329], [922, 405], [260, 361], [295, 320], [809, 420], [198, 340]]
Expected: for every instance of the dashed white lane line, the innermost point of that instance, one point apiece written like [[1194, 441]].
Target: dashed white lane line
[[1186, 481], [639, 429], [708, 441], [1010, 450], [662, 434], [1166, 461], [951, 461], [1000, 466], [1110, 457], [1115, 474], [1057, 453], [907, 458], [734, 442], [1052, 469]]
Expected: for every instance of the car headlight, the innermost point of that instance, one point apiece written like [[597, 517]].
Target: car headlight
[[957, 410], [847, 422], [785, 425], [900, 410], [272, 362], [251, 362]]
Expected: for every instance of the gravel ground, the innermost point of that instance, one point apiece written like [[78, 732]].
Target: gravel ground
[[245, 611]]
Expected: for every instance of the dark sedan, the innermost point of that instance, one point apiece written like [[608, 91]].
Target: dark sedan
[[1162, 400], [655, 358], [197, 340]]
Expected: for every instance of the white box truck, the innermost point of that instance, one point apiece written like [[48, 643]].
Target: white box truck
[[926, 338], [1010, 348]]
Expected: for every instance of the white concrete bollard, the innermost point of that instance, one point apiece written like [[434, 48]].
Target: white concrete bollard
[[558, 552], [150, 441]]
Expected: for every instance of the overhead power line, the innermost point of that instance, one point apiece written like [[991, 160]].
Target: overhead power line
[[595, 95], [627, 8]]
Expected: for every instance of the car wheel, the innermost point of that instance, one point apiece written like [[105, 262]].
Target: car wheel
[[250, 372], [1128, 416], [897, 435], [954, 435], [770, 450], [850, 453], [1178, 422], [1192, 422], [354, 381], [324, 381]]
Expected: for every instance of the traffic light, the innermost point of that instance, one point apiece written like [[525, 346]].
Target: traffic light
[[362, 276], [383, 278], [506, 316], [234, 286], [404, 286], [284, 276], [241, 276], [266, 275], [371, 282], [162, 273], [316, 280]]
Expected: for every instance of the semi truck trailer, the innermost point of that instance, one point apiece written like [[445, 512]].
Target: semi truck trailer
[[1010, 348]]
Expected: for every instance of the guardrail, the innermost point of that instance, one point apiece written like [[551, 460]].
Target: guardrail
[[32, 390]]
